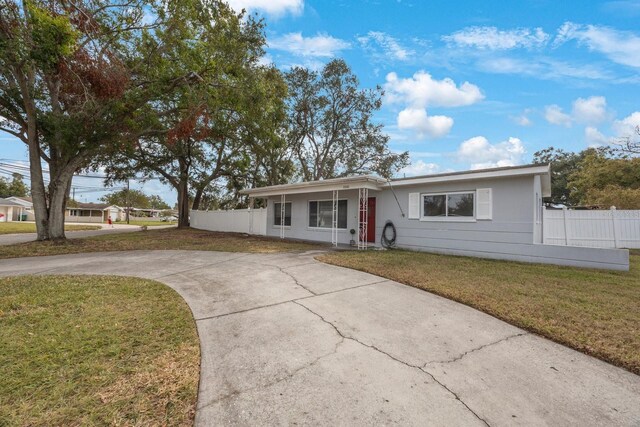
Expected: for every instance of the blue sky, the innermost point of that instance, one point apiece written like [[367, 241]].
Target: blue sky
[[468, 84]]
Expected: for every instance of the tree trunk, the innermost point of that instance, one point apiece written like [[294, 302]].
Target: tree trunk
[[58, 193], [183, 202], [38, 193], [197, 199]]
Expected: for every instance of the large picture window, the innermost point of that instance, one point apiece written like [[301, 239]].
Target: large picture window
[[448, 205], [321, 213], [277, 214]]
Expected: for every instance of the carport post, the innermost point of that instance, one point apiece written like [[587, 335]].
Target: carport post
[[334, 219], [283, 200]]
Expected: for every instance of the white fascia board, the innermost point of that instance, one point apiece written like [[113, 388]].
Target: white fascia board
[[20, 202], [269, 192], [468, 176], [348, 183]]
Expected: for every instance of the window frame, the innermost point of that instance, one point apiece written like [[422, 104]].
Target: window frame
[[285, 211], [446, 217], [316, 228]]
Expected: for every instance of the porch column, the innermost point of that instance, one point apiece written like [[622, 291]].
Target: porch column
[[283, 200], [363, 217], [334, 219]]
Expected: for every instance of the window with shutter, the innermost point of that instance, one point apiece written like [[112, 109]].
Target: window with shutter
[[484, 206], [414, 206]]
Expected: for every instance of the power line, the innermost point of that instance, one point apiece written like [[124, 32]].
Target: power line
[[27, 169]]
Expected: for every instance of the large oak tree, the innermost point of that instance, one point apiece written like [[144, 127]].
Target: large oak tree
[[210, 100], [63, 75], [331, 129]]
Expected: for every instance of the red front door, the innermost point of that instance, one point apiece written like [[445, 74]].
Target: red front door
[[371, 220]]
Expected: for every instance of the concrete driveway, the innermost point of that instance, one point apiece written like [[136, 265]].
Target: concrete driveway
[[12, 239], [288, 340]]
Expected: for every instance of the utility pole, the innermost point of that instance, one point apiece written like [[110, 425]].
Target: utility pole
[[74, 193]]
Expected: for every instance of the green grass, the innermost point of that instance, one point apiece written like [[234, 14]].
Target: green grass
[[95, 350], [593, 311], [30, 227], [148, 223], [168, 238]]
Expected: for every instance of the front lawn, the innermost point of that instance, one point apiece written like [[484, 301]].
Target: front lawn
[[594, 311], [167, 238], [92, 350], [30, 227]]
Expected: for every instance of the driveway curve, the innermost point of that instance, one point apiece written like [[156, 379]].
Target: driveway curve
[[289, 340]]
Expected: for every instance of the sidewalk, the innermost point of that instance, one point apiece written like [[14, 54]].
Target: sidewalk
[[11, 239]]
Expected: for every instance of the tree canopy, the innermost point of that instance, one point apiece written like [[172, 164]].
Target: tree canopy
[[208, 102], [605, 181], [331, 131], [594, 177], [174, 90], [135, 199], [15, 187], [63, 75]]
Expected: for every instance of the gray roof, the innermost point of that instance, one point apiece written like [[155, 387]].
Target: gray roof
[[5, 202]]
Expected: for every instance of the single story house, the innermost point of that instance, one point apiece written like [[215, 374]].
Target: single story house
[[93, 212], [492, 213], [8, 208], [27, 213], [146, 213]]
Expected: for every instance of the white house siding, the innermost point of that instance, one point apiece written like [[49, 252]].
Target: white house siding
[[513, 233], [300, 216], [7, 213], [512, 217], [510, 235]]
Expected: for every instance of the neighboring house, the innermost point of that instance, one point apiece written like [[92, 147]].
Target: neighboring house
[[8, 208], [93, 212], [146, 213], [493, 213], [27, 213]]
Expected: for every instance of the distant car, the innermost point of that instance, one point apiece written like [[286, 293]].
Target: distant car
[[169, 218]]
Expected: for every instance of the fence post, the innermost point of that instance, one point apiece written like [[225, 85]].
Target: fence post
[[613, 223], [566, 232]]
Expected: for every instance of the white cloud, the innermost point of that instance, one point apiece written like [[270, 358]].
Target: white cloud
[[482, 154], [321, 45], [416, 119], [542, 68], [594, 137], [389, 45], [591, 110], [554, 115], [422, 90], [523, 119], [622, 47], [420, 167], [271, 7], [491, 38], [627, 126]]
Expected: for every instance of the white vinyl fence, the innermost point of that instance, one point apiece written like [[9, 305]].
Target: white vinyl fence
[[598, 228], [251, 221]]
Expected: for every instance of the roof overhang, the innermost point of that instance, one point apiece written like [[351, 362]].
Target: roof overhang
[[347, 183], [508, 172], [372, 182], [20, 201]]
